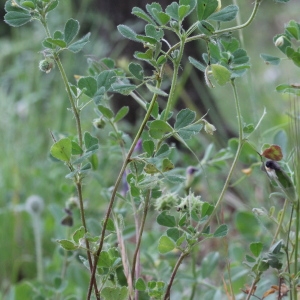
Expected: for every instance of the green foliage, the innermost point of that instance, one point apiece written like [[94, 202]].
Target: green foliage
[[158, 190]]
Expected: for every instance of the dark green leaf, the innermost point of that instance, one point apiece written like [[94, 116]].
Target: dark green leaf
[[90, 141], [88, 85], [256, 248], [164, 219], [136, 70], [159, 128], [104, 260], [161, 17], [143, 15], [152, 32], [187, 132], [226, 14], [197, 64], [240, 56], [269, 59], [78, 45], [148, 55], [52, 5], [221, 231], [153, 9], [206, 28], [17, 18], [140, 285], [123, 111], [123, 88], [127, 32], [106, 112], [206, 8], [111, 293], [28, 4], [76, 149], [149, 147], [106, 79], [56, 42], [184, 118], [174, 234], [172, 11], [71, 30]]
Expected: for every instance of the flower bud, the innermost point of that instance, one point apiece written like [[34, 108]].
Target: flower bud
[[99, 123], [209, 128], [46, 65], [279, 41]]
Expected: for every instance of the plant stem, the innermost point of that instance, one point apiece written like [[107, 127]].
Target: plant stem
[[138, 242], [176, 64], [237, 154], [118, 181], [178, 263]]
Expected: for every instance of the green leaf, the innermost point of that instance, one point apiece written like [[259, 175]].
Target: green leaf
[[149, 147], [167, 165], [88, 85], [104, 260], [28, 4], [183, 11], [140, 285], [191, 3], [113, 293], [76, 149], [147, 56], [146, 39], [78, 234], [161, 17], [127, 32], [136, 70], [206, 8], [256, 248], [17, 18], [62, 150], [57, 42], [123, 88], [226, 14], [71, 30], [106, 79], [90, 141], [110, 225], [141, 14], [51, 6], [221, 74], [67, 245], [184, 118], [270, 60], [165, 244], [159, 128], [174, 234], [153, 9], [151, 31], [248, 128], [172, 11], [151, 169], [187, 132], [206, 28], [123, 111], [164, 219], [293, 29], [156, 90], [206, 209], [240, 56], [289, 89], [106, 112], [78, 45], [197, 64], [221, 231]]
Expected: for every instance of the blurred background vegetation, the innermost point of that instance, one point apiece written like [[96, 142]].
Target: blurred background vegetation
[[33, 103]]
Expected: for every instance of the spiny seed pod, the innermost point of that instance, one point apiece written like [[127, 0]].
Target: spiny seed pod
[[46, 65]]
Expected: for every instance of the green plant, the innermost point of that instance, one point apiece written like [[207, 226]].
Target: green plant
[[148, 165]]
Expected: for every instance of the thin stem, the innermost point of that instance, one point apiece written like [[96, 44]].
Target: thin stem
[[118, 181], [178, 263], [296, 252], [237, 154], [177, 60], [138, 242]]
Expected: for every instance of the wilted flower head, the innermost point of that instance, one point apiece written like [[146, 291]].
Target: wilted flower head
[[166, 202], [34, 204]]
